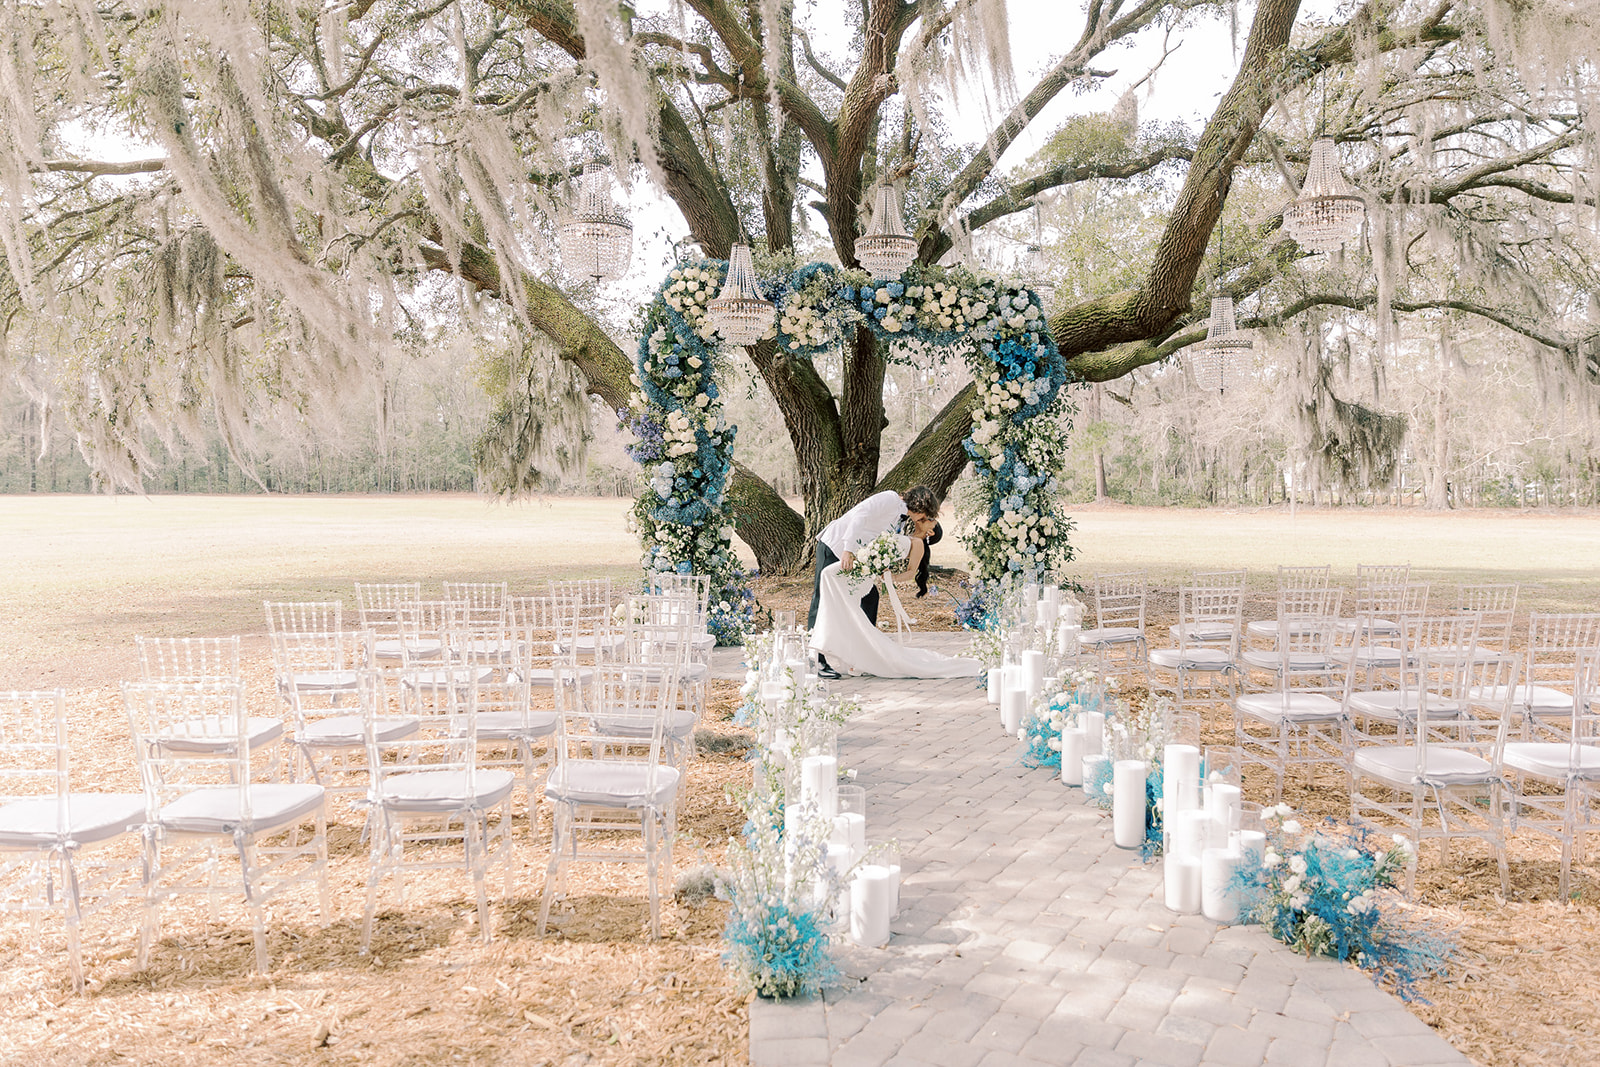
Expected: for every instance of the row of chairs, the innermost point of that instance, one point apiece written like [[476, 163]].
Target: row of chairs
[[1439, 727], [427, 744]]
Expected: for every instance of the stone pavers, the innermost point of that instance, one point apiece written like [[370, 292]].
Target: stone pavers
[[1026, 937]]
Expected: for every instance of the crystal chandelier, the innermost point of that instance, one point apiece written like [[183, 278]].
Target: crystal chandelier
[[886, 250], [597, 238], [1214, 358], [1327, 214], [740, 314]]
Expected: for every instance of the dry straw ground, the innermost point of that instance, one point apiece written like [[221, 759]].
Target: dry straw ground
[[88, 574]]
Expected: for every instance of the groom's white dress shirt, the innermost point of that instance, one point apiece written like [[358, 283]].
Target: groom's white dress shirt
[[861, 525]]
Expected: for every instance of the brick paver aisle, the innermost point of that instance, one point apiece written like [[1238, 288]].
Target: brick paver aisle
[[1026, 937]]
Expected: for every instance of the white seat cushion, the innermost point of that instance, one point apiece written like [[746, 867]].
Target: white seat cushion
[[1553, 759], [216, 809], [611, 784], [93, 817], [490, 646], [545, 677], [1110, 635], [1192, 659], [679, 725], [1377, 656], [422, 648], [703, 642], [510, 725], [204, 738], [323, 681], [1388, 703], [440, 792], [1291, 707], [1539, 699], [1204, 631], [1397, 764], [348, 731], [457, 676], [1299, 662]]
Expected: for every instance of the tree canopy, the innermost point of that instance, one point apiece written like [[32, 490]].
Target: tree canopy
[[316, 186]]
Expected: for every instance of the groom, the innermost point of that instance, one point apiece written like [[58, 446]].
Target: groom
[[857, 528]]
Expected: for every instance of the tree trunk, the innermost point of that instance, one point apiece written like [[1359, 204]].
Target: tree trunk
[[1438, 482]]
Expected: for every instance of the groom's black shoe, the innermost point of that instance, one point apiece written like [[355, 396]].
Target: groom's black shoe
[[824, 670]]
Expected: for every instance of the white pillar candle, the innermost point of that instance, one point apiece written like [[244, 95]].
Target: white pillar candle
[[1033, 672], [1222, 804], [1252, 846], [819, 784], [1013, 703], [1048, 613], [1095, 778], [772, 692], [1128, 802], [1030, 595], [850, 828], [1052, 595], [1182, 877], [1067, 640], [1191, 833], [1180, 775], [1072, 756], [1219, 899], [871, 905], [1094, 730], [992, 680]]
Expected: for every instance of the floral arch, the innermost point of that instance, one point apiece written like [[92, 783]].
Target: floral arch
[[684, 443]]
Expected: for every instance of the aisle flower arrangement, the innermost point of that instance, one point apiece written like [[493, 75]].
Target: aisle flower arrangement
[[1329, 891], [1077, 690], [684, 444]]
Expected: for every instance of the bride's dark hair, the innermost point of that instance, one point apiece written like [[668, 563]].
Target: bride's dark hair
[[922, 567]]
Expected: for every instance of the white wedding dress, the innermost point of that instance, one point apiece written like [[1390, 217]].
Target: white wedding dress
[[850, 642]]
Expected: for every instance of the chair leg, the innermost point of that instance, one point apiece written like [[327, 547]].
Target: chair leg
[[652, 874], [324, 899], [73, 916], [557, 818], [475, 831]]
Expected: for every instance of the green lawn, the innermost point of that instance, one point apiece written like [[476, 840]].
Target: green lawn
[[85, 574]]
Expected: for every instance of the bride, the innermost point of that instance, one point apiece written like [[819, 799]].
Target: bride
[[850, 640]]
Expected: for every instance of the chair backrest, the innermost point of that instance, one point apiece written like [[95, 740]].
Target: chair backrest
[[1298, 578], [593, 596], [1585, 703], [188, 659], [319, 653], [379, 604], [1554, 644], [1376, 576], [424, 621], [621, 720], [450, 742], [34, 760], [1496, 608], [478, 599], [188, 735], [1307, 638], [1491, 687], [1119, 600], [304, 616], [655, 630], [1206, 612], [1437, 651], [693, 588], [1316, 602]]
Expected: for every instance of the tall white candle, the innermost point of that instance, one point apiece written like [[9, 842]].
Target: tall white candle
[[1072, 756], [1128, 802], [1052, 595], [1013, 702], [871, 905], [992, 681], [1094, 730], [1191, 833], [1252, 846], [1033, 672], [1219, 899], [1048, 612], [1067, 640], [1222, 804], [819, 784], [850, 828], [1182, 877]]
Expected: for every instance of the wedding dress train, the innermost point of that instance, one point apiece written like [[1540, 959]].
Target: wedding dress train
[[850, 642]]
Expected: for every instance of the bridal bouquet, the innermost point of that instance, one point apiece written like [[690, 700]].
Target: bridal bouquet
[[886, 553]]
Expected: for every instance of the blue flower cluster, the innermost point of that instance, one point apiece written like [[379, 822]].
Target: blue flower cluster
[[784, 953], [1328, 893]]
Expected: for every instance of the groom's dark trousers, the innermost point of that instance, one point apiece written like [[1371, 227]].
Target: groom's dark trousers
[[825, 556]]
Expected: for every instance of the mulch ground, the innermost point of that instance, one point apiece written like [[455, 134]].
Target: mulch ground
[[597, 989]]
